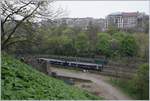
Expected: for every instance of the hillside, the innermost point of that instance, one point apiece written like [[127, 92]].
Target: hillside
[[20, 81]]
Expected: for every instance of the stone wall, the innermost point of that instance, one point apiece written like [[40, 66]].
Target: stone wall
[[41, 66]]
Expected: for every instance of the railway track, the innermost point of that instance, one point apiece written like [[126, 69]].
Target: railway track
[[108, 69]]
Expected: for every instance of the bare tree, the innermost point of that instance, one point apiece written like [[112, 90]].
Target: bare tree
[[15, 12]]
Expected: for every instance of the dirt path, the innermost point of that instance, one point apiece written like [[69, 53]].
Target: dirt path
[[104, 89]]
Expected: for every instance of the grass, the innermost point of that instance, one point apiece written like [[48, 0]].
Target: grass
[[21, 82]]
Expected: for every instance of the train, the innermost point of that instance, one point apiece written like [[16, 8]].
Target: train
[[75, 64]]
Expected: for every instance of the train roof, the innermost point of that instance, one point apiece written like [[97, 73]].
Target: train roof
[[82, 63], [51, 59]]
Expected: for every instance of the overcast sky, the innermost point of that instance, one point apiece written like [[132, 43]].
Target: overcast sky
[[100, 9]]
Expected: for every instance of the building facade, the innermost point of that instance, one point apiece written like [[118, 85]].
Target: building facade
[[81, 22], [126, 20], [123, 20]]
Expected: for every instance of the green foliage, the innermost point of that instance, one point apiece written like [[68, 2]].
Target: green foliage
[[141, 82], [128, 46], [103, 44], [22, 82], [104, 35], [63, 40], [119, 35], [142, 40], [114, 46], [69, 32], [125, 86], [81, 43], [138, 87], [66, 44], [112, 29], [116, 43], [146, 27], [53, 45], [92, 30]]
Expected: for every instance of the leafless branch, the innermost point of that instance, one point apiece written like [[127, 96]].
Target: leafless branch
[[15, 11], [18, 24], [26, 10]]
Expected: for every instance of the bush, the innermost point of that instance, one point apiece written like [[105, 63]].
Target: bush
[[141, 82], [115, 46], [82, 44], [138, 87], [128, 46], [112, 29], [119, 35], [103, 44], [143, 42], [22, 82]]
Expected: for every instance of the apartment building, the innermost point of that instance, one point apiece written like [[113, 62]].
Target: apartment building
[[125, 20]]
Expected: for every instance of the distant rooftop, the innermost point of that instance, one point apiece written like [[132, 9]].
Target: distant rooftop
[[116, 13], [125, 13], [130, 13]]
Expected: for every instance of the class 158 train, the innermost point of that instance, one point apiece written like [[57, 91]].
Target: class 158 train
[[75, 64]]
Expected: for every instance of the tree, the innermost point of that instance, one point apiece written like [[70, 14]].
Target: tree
[[112, 29], [16, 12], [103, 44], [82, 44], [142, 40], [92, 31], [28, 34], [66, 45], [146, 27], [128, 46], [119, 35], [69, 32], [114, 46], [141, 82], [116, 42], [53, 45]]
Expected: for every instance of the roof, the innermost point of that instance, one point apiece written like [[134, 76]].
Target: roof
[[130, 13], [116, 13], [124, 14]]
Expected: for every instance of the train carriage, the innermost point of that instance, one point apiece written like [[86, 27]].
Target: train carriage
[[76, 64]]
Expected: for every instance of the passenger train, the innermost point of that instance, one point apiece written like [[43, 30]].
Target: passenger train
[[76, 64]]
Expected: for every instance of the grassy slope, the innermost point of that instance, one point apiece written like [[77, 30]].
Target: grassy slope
[[20, 81], [125, 86]]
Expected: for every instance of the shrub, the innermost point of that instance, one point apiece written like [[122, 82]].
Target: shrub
[[112, 29], [119, 35], [103, 44], [141, 82], [82, 44], [22, 82], [143, 42], [138, 87], [128, 46]]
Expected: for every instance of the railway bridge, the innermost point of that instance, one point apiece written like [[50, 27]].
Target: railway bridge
[[93, 65]]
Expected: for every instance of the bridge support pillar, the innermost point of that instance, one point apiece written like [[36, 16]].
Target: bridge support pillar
[[48, 68]]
